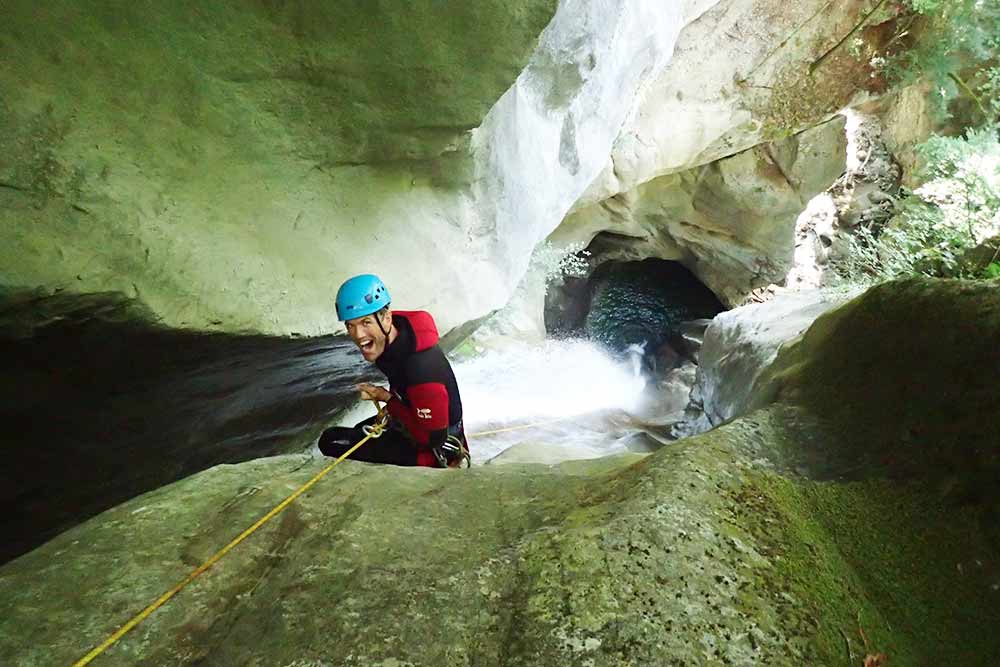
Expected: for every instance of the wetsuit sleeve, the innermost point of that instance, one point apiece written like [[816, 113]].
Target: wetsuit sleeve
[[429, 402], [400, 412]]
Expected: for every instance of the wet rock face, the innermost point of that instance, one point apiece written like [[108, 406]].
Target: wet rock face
[[99, 406], [741, 343], [708, 550], [229, 166]]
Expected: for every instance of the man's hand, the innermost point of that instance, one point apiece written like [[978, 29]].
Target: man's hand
[[370, 392]]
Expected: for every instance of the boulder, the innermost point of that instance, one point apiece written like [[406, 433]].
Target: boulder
[[977, 260], [741, 343], [919, 354], [863, 499]]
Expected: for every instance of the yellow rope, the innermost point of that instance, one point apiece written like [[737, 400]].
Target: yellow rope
[[376, 431], [163, 599], [517, 428]]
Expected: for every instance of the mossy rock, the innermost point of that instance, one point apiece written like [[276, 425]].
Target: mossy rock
[[746, 545], [906, 376], [228, 165]]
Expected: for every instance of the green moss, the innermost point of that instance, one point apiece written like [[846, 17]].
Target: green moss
[[905, 376], [708, 552], [917, 573], [894, 397], [358, 81]]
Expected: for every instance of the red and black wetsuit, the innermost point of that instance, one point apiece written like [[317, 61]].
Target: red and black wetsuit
[[425, 407]]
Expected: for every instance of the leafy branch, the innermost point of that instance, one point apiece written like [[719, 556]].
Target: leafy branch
[[964, 87]]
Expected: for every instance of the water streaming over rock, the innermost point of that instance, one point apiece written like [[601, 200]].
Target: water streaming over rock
[[100, 406], [579, 400]]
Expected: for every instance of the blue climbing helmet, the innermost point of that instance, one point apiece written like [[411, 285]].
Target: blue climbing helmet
[[361, 295]]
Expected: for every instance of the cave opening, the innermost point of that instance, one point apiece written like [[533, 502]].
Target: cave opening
[[654, 307]]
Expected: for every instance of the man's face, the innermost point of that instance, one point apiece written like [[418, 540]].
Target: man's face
[[367, 336]]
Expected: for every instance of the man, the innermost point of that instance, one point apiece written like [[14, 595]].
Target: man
[[425, 426]]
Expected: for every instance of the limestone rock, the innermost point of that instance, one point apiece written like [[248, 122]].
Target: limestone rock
[[237, 164], [229, 167], [731, 222], [101, 406], [705, 551], [922, 353], [740, 76], [741, 343], [674, 390], [865, 195], [906, 118], [692, 337]]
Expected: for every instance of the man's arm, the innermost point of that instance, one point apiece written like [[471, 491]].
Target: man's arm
[[430, 410]]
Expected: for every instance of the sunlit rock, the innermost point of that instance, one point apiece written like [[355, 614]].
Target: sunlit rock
[[273, 151], [229, 167], [731, 222], [740, 343]]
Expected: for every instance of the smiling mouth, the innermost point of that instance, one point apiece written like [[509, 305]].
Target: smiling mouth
[[367, 345]]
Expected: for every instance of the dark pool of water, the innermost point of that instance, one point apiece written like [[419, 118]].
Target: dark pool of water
[[645, 302]]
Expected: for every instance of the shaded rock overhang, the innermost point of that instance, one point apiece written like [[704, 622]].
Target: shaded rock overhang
[[229, 164], [232, 164]]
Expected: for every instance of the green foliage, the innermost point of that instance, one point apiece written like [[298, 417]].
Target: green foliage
[[954, 45], [956, 209], [556, 263], [990, 92], [992, 270]]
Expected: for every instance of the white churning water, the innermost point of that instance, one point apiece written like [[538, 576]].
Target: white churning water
[[556, 378], [574, 381]]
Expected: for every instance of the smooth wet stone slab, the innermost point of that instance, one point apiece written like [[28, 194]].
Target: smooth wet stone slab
[[769, 540]]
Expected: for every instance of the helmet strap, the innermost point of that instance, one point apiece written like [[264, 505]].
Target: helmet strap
[[378, 320]]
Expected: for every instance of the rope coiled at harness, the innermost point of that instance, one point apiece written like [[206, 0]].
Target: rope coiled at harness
[[372, 431]]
